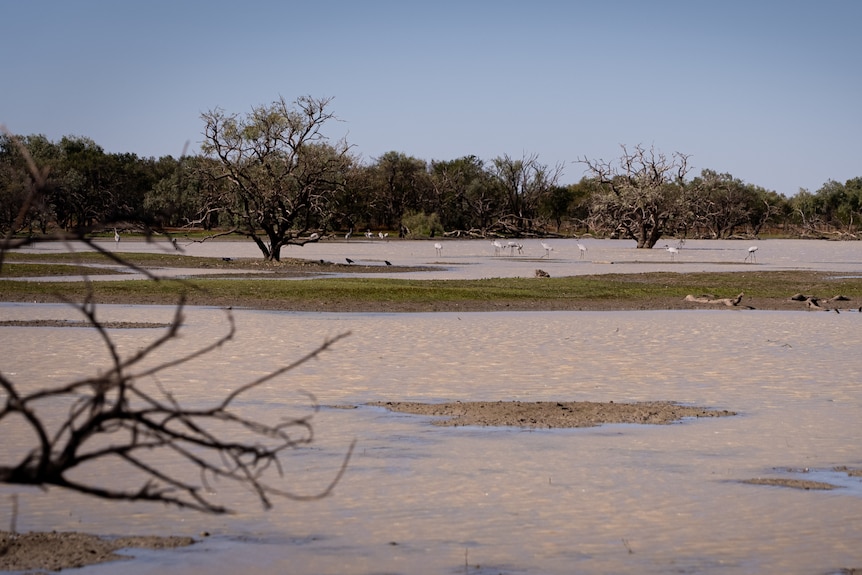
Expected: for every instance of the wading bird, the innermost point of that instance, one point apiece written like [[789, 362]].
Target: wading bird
[[548, 249], [583, 249], [751, 254], [116, 235], [497, 247], [672, 251], [439, 247]]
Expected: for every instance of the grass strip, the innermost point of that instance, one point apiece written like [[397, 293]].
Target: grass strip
[[527, 293]]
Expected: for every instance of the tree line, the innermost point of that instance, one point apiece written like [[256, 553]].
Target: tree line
[[274, 176]]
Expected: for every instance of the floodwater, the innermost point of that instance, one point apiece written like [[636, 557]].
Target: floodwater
[[418, 498], [476, 259]]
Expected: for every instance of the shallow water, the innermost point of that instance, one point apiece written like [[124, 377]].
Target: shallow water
[[476, 259], [423, 499]]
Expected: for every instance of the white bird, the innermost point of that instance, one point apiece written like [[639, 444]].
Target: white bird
[[497, 247], [583, 249], [116, 235], [513, 245], [314, 236], [548, 249], [672, 251], [439, 247], [368, 234], [751, 254], [348, 234]]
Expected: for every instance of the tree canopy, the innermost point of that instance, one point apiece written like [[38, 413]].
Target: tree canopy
[[279, 177]]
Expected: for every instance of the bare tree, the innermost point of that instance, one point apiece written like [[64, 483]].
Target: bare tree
[[126, 414], [644, 193], [524, 183]]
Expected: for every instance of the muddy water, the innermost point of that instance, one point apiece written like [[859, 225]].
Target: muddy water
[[424, 499], [474, 259]]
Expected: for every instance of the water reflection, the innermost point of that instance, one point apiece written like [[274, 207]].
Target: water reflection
[[423, 499]]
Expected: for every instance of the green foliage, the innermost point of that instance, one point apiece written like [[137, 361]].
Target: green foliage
[[421, 225], [274, 176], [274, 171]]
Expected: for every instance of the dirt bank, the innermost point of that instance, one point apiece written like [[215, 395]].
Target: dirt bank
[[55, 551], [551, 414]]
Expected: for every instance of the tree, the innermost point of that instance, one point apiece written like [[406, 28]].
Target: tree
[[523, 183], [643, 194], [555, 204], [128, 413], [183, 197], [463, 195], [280, 172], [402, 185], [722, 203], [19, 210]]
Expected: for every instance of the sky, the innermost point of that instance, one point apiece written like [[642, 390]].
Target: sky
[[769, 91]]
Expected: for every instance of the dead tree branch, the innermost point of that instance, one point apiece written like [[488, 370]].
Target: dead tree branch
[[125, 413], [141, 420]]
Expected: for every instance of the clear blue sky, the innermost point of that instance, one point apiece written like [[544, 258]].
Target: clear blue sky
[[769, 91]]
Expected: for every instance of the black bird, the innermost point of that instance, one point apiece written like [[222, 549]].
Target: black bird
[[226, 259], [350, 261], [387, 262]]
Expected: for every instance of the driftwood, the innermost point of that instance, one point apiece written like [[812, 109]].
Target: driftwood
[[816, 303], [729, 302]]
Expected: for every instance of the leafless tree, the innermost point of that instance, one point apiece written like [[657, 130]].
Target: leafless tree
[[643, 193], [124, 413], [523, 183]]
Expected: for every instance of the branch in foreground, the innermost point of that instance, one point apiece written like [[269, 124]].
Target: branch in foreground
[[144, 422]]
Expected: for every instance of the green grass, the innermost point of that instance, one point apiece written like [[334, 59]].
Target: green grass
[[139, 259], [23, 270], [324, 292]]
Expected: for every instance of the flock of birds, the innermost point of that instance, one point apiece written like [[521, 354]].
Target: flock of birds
[[751, 256], [512, 246]]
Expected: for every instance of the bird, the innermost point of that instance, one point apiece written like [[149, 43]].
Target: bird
[[348, 234], [116, 235], [497, 247], [751, 254], [548, 249], [314, 236], [672, 251], [583, 249], [368, 234], [387, 262], [348, 260], [439, 247], [513, 245]]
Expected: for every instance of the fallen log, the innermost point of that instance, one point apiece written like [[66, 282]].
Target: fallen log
[[730, 302]]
